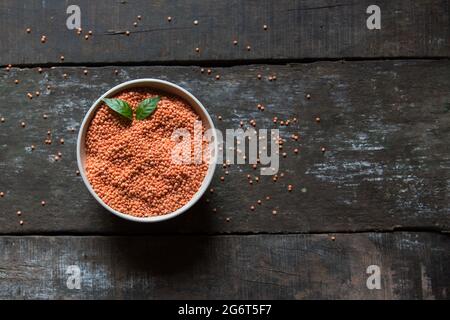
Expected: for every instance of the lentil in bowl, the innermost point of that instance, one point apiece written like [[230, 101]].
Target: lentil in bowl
[[127, 164]]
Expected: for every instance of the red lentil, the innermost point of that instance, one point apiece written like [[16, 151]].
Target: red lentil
[[129, 164]]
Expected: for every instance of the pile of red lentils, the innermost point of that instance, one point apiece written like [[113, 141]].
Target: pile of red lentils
[[129, 162]]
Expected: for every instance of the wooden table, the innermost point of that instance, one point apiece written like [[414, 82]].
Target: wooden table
[[379, 194]]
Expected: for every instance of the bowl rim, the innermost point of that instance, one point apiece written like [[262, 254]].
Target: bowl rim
[[147, 82]]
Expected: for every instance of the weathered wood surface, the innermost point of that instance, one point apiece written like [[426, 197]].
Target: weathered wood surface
[[385, 125], [412, 265], [297, 29]]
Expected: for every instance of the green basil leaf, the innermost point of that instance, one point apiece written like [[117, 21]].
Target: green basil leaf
[[120, 106], [146, 108]]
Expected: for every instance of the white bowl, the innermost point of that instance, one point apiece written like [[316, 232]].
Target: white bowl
[[169, 88]]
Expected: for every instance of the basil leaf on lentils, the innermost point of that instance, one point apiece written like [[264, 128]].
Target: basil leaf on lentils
[[119, 106], [146, 108]]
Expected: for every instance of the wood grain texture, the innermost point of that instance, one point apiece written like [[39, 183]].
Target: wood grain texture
[[385, 125], [412, 265], [297, 29]]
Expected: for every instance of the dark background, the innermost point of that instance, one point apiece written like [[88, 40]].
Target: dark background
[[379, 194]]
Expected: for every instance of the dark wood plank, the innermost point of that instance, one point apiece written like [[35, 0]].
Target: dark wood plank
[[385, 125], [412, 265], [297, 29]]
